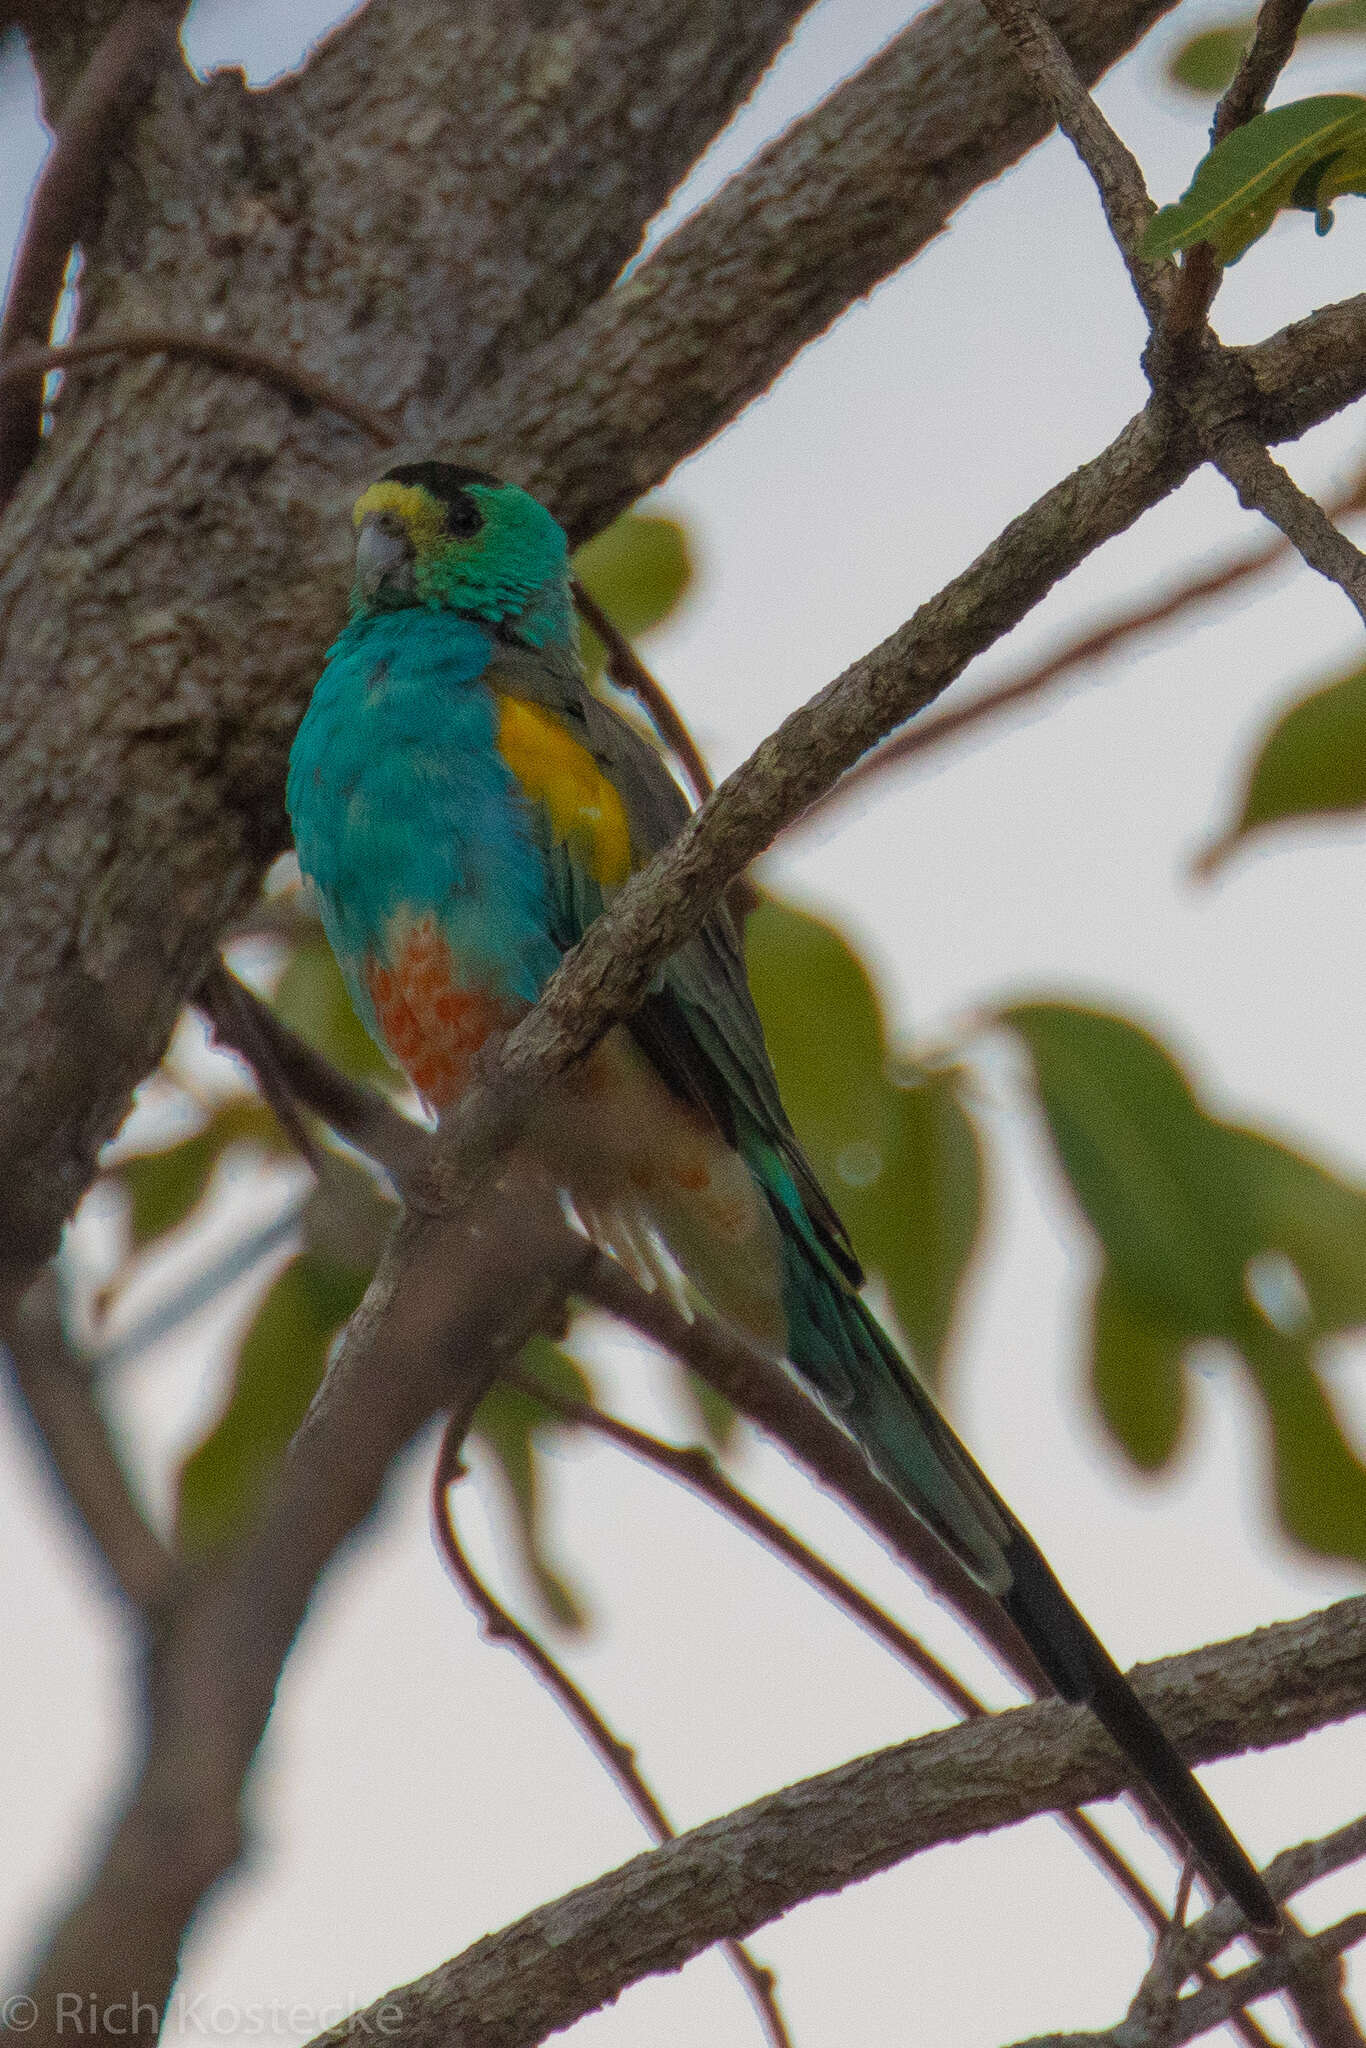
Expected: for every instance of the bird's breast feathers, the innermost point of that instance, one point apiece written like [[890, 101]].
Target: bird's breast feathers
[[421, 797]]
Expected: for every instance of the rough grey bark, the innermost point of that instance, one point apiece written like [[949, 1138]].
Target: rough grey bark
[[824, 214], [440, 187], [417, 213], [730, 1876]]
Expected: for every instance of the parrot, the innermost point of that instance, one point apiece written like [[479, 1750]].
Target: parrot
[[464, 805]]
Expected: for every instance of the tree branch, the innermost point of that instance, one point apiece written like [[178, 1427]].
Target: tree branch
[[1084, 651], [1114, 168], [451, 1301], [120, 72], [618, 1758], [1263, 486], [698, 1470], [74, 1439], [732, 1875], [846, 196]]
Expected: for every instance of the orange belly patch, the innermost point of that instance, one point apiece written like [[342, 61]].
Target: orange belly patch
[[432, 1023]]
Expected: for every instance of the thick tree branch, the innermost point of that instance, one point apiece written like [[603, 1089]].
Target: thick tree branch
[[74, 1439], [171, 571], [732, 1875], [844, 198], [451, 1302]]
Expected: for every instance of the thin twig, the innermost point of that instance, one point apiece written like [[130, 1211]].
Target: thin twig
[[750, 1380], [56, 1388], [629, 673], [1188, 1950], [1263, 486], [1278, 24], [1201, 273], [1143, 616], [121, 68], [359, 1114], [202, 1291], [759, 1389], [497, 1625], [267, 368], [731, 1875], [1112, 164], [232, 1010], [698, 1470], [1214, 2005]]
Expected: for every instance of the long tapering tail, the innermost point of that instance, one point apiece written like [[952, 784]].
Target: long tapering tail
[[835, 1340]]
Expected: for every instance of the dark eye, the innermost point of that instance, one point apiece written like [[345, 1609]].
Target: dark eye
[[463, 516]]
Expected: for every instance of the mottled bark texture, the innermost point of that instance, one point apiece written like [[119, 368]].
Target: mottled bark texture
[[440, 189], [417, 216], [730, 1876]]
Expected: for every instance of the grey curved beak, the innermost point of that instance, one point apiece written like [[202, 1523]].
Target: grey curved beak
[[384, 558]]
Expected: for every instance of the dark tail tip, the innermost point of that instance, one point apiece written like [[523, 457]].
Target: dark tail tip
[[1081, 1668]]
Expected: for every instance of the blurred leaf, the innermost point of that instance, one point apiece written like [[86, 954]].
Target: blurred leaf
[[1301, 155], [313, 1001], [637, 569], [513, 1427], [1137, 1374], [1320, 1481], [823, 1023], [929, 1203], [1316, 1222], [715, 1416], [1206, 63], [163, 1188], [1147, 1165], [901, 1163], [278, 1370], [1312, 762], [1209, 1230]]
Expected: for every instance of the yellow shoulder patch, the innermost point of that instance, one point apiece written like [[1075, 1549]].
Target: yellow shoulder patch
[[556, 771]]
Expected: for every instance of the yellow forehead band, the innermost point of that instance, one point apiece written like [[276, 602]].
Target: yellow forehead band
[[422, 516]]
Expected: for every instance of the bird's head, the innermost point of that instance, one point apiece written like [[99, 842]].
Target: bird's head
[[440, 537]]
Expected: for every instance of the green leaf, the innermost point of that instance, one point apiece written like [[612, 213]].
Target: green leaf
[[1300, 155], [163, 1188], [514, 1427], [1206, 63], [1151, 1171], [1320, 1482], [1315, 1223], [715, 1417], [901, 1163], [313, 1001], [638, 569], [1137, 1374], [1312, 763], [278, 1370], [823, 1022], [928, 1203]]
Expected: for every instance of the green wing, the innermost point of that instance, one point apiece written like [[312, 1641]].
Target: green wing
[[698, 1024]]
